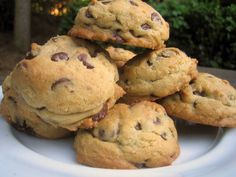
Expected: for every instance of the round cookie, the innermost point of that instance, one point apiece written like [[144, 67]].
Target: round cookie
[[129, 137], [207, 100], [120, 56], [158, 73], [67, 80], [21, 116], [128, 22]]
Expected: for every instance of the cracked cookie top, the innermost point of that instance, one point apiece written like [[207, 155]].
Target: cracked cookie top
[[207, 100], [135, 136], [128, 22], [65, 76], [158, 73]]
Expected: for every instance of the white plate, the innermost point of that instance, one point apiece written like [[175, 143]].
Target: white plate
[[205, 151]]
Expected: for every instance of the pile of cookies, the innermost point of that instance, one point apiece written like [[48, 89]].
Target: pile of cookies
[[111, 97]]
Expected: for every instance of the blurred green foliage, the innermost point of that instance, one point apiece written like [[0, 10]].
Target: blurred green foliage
[[68, 19], [204, 29]]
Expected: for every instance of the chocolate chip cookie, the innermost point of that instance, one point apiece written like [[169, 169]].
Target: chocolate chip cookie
[[23, 118], [119, 55], [66, 80], [158, 73], [128, 22], [129, 137], [207, 100]]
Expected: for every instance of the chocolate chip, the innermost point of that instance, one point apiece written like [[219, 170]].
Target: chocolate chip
[[101, 114], [94, 53], [88, 14], [145, 26], [118, 38], [157, 121], [164, 136], [138, 126], [58, 82], [149, 63], [83, 58], [29, 56], [101, 133], [155, 17], [59, 56], [133, 3], [41, 108], [192, 82], [12, 99]]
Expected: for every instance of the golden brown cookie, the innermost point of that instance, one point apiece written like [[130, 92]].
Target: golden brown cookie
[[207, 100], [128, 22], [129, 137], [158, 73], [67, 80], [22, 117]]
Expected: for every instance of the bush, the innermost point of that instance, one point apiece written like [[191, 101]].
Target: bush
[[68, 19], [204, 29]]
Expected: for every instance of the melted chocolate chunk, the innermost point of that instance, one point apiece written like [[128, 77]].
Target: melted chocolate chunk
[[149, 63], [145, 26], [164, 136], [155, 17], [58, 82], [138, 126], [101, 133], [88, 14], [59, 56], [192, 82], [101, 114], [84, 59], [133, 3], [118, 38], [157, 121]]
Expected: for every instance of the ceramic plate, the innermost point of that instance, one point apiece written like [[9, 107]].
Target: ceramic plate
[[205, 151]]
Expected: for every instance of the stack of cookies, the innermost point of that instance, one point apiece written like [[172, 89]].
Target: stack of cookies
[[111, 97]]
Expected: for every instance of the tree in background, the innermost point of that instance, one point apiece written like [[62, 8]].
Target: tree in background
[[22, 21]]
